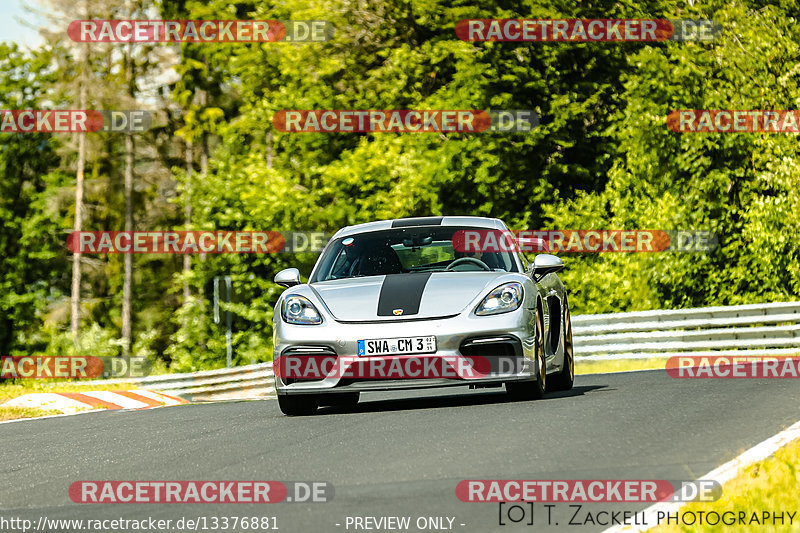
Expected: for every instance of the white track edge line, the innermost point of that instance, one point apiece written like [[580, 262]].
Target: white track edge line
[[721, 475]]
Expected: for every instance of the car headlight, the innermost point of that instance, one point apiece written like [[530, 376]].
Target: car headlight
[[299, 310], [502, 299]]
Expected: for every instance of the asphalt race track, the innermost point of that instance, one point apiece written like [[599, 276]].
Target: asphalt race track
[[398, 454]]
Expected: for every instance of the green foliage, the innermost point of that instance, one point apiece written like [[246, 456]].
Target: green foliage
[[741, 186], [32, 260], [602, 158]]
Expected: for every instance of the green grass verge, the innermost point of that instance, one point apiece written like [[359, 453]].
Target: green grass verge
[[770, 485], [602, 367], [14, 413]]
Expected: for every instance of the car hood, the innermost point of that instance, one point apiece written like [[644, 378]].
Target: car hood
[[418, 295]]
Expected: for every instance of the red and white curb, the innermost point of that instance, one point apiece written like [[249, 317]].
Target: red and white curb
[[73, 402]]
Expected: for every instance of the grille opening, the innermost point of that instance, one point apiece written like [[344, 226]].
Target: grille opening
[[502, 352], [299, 351]]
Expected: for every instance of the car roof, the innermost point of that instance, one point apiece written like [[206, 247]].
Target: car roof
[[378, 225]]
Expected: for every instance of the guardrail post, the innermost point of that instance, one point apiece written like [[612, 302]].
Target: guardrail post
[[228, 336]]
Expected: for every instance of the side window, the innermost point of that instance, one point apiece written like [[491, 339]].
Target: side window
[[340, 266]]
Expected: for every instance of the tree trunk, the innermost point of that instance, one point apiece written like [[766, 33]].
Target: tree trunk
[[75, 296], [75, 300], [127, 287], [203, 101], [187, 212]]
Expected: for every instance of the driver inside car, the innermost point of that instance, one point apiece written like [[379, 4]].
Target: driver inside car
[[486, 258]]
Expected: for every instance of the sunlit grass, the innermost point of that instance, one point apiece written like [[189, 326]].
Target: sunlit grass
[[13, 413], [602, 367], [770, 485]]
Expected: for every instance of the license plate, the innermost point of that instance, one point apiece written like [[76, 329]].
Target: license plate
[[398, 346]]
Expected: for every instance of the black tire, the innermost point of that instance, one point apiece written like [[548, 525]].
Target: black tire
[[566, 377], [347, 400], [297, 405], [532, 390]]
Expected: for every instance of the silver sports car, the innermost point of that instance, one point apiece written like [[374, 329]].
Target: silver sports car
[[420, 302]]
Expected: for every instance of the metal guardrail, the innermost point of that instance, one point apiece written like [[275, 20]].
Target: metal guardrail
[[237, 383], [765, 329]]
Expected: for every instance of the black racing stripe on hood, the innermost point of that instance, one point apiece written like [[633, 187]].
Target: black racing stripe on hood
[[402, 291], [418, 221]]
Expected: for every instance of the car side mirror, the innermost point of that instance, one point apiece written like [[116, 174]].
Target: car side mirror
[[545, 264], [288, 277]]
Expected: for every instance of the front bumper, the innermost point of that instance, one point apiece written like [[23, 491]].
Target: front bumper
[[509, 335]]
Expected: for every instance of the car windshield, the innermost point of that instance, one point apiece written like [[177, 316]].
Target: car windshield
[[406, 250]]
